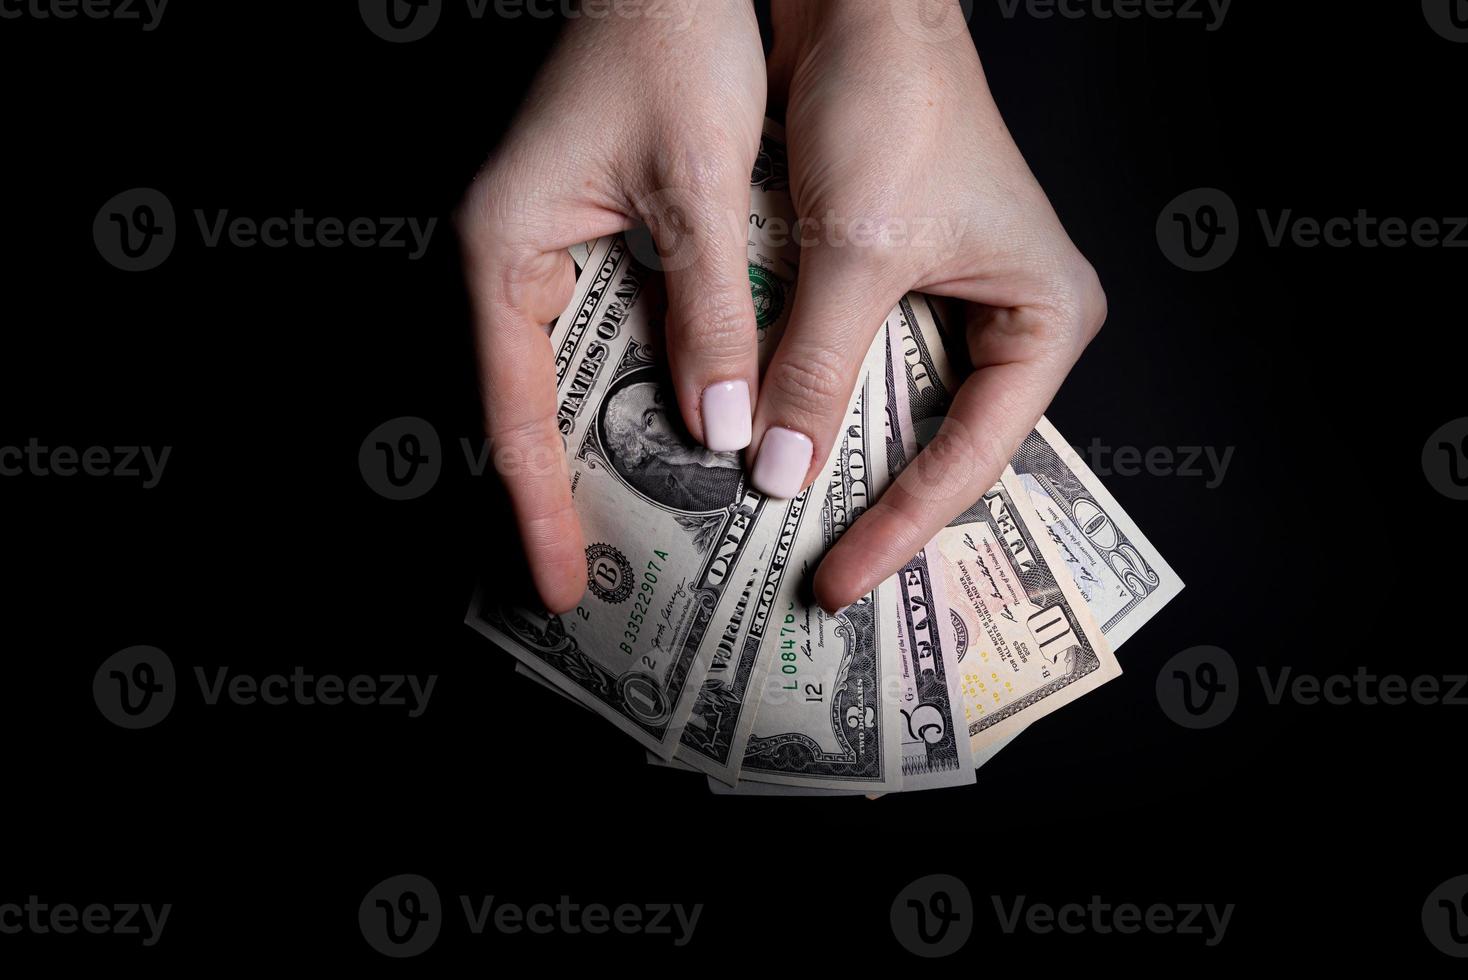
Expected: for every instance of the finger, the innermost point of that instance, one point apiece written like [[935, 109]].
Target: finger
[[994, 409], [711, 332], [839, 307], [519, 403], [516, 287]]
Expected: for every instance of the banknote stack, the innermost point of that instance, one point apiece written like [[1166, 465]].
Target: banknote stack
[[698, 636]]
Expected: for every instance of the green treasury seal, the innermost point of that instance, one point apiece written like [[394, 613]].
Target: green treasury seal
[[769, 296]]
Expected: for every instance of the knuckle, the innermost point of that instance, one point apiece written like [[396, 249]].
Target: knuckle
[[1090, 300], [949, 466], [874, 256], [504, 199], [900, 521], [718, 326], [523, 437], [810, 381], [1068, 312], [691, 178], [543, 526], [471, 219], [1079, 301], [704, 155], [861, 240], [483, 200]]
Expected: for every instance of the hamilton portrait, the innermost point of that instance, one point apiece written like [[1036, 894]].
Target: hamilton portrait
[[652, 452]]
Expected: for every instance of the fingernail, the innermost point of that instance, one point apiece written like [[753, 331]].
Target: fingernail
[[726, 416], [783, 460]]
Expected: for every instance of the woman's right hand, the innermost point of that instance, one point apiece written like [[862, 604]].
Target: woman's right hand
[[636, 119]]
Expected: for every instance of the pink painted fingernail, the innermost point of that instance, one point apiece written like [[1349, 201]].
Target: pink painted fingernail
[[726, 416], [783, 460]]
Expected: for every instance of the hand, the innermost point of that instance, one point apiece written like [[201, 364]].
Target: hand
[[905, 178], [635, 120]]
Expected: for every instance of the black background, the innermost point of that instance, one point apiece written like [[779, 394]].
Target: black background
[[262, 548]]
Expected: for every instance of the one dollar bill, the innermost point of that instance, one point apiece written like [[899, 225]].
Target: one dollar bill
[[671, 527]]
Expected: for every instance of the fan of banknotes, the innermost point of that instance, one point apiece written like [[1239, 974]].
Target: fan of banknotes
[[697, 635]]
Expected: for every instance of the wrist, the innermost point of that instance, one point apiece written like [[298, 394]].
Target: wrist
[[798, 26], [795, 23], [827, 32], [799, 20]]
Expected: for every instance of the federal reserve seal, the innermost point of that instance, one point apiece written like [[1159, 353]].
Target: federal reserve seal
[[608, 574], [769, 296], [960, 634]]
